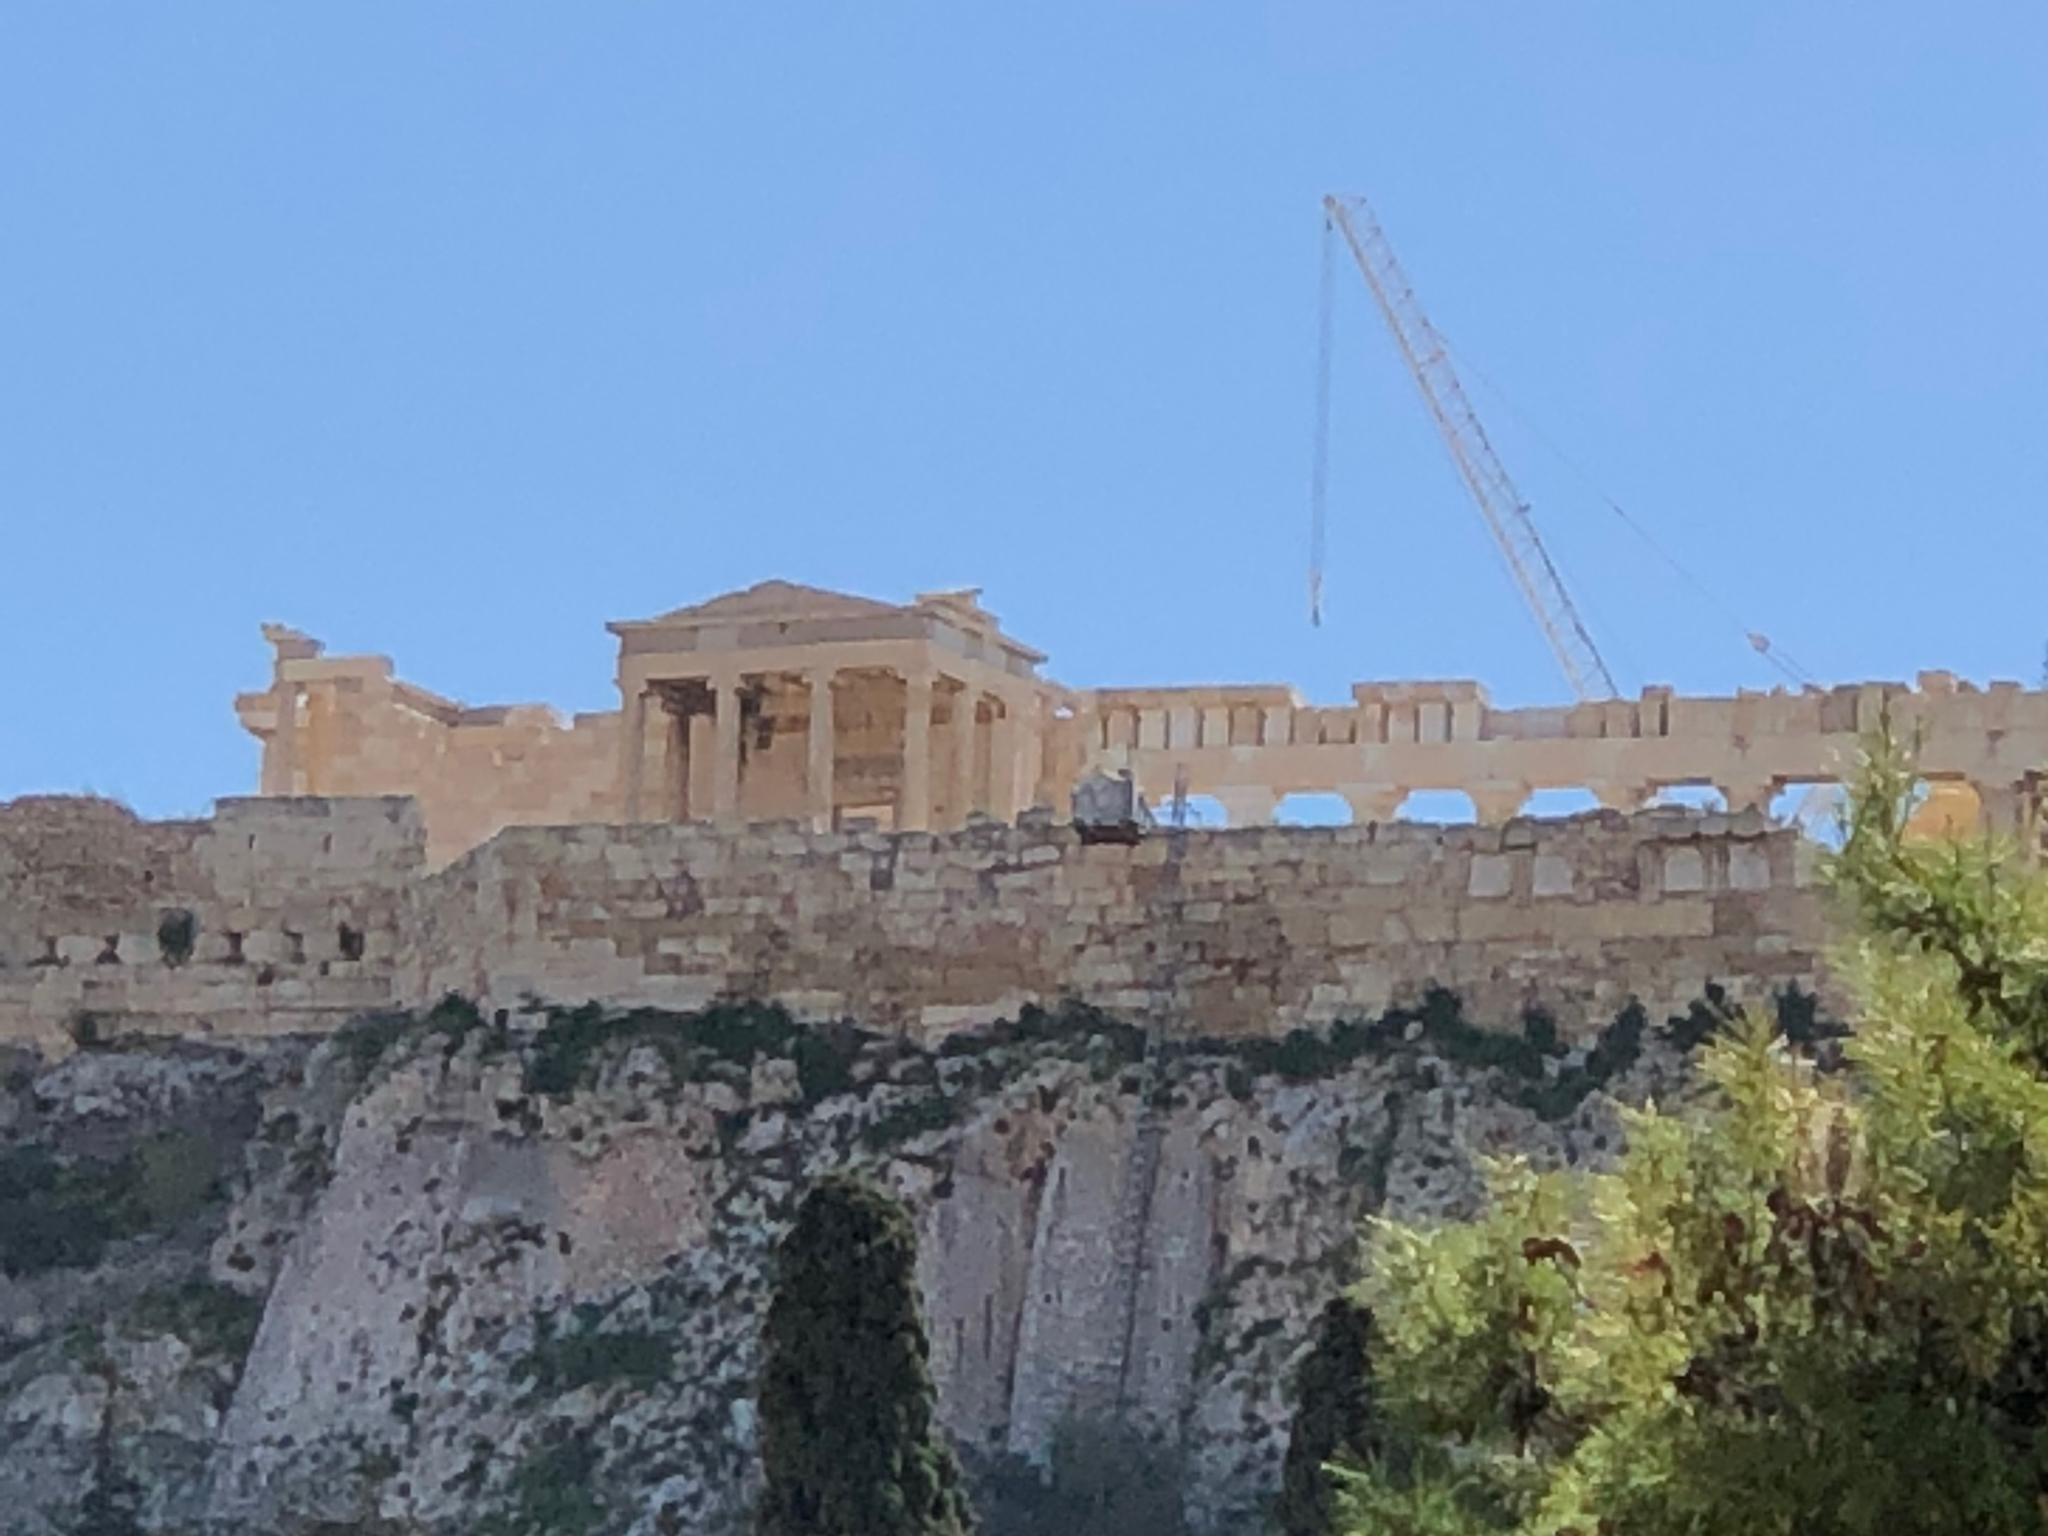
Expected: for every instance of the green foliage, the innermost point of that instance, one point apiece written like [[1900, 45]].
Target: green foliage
[[170, 1179], [1531, 1064], [1811, 1301], [1103, 1478], [907, 1120], [849, 1443], [112, 1498], [365, 1042], [551, 1492], [824, 1062], [1335, 1419], [56, 1214], [177, 934], [635, 1357], [213, 1318], [575, 1042], [1072, 1025]]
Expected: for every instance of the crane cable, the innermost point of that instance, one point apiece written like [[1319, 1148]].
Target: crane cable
[[1319, 477], [1758, 641], [1320, 474]]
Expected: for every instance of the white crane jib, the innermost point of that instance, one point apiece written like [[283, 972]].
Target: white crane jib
[[1507, 515]]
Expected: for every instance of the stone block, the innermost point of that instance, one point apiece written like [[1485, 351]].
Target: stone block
[[1684, 869], [1492, 876], [1749, 867], [1552, 875]]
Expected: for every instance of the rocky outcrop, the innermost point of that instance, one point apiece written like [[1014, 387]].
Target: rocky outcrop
[[510, 1273]]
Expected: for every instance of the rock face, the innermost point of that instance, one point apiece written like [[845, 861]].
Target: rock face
[[510, 1274]]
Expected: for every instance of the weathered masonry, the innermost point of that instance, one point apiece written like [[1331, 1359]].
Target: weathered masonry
[[786, 702], [290, 915]]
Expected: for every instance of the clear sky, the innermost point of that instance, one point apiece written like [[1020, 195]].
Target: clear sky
[[453, 331]]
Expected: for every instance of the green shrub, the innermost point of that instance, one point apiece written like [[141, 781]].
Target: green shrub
[[62, 1214], [1810, 1298], [634, 1357], [550, 1493], [51, 1217], [214, 1319], [908, 1120], [1102, 1478], [824, 1062], [177, 934], [370, 1039], [574, 1042], [170, 1178]]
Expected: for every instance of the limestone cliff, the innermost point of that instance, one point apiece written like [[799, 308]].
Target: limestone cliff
[[454, 1274]]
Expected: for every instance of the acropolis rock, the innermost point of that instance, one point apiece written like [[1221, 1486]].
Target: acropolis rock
[[401, 1148]]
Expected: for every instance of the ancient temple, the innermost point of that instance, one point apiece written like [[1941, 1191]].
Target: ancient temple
[[788, 703]]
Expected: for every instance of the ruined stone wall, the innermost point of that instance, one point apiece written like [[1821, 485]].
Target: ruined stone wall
[[295, 915], [1248, 747], [358, 730], [306, 910]]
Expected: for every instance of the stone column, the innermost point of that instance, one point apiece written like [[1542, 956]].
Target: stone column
[[818, 777], [1248, 805], [914, 792], [675, 764], [633, 746], [1499, 803], [1004, 735], [725, 751], [697, 781], [1373, 802], [966, 743]]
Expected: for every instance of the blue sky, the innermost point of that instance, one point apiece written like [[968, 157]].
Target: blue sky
[[453, 331]]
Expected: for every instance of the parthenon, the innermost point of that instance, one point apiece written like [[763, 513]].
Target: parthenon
[[789, 703]]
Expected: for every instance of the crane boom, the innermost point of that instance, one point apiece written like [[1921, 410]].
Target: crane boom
[[1507, 515]]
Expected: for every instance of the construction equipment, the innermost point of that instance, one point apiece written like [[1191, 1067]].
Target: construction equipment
[[1507, 515]]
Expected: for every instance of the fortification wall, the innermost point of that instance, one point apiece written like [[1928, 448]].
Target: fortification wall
[[304, 911], [273, 916], [1226, 933]]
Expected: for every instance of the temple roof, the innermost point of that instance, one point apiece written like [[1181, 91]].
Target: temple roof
[[777, 600], [778, 614]]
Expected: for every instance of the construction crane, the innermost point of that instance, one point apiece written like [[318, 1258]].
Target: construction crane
[[1507, 515]]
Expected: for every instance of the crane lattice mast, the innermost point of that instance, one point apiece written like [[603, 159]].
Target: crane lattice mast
[[1507, 515]]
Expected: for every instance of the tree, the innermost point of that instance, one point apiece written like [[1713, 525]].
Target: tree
[[1103, 1477], [848, 1441], [1805, 1301], [1334, 1418]]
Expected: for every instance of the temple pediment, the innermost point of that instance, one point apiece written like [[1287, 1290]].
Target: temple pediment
[[777, 601]]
